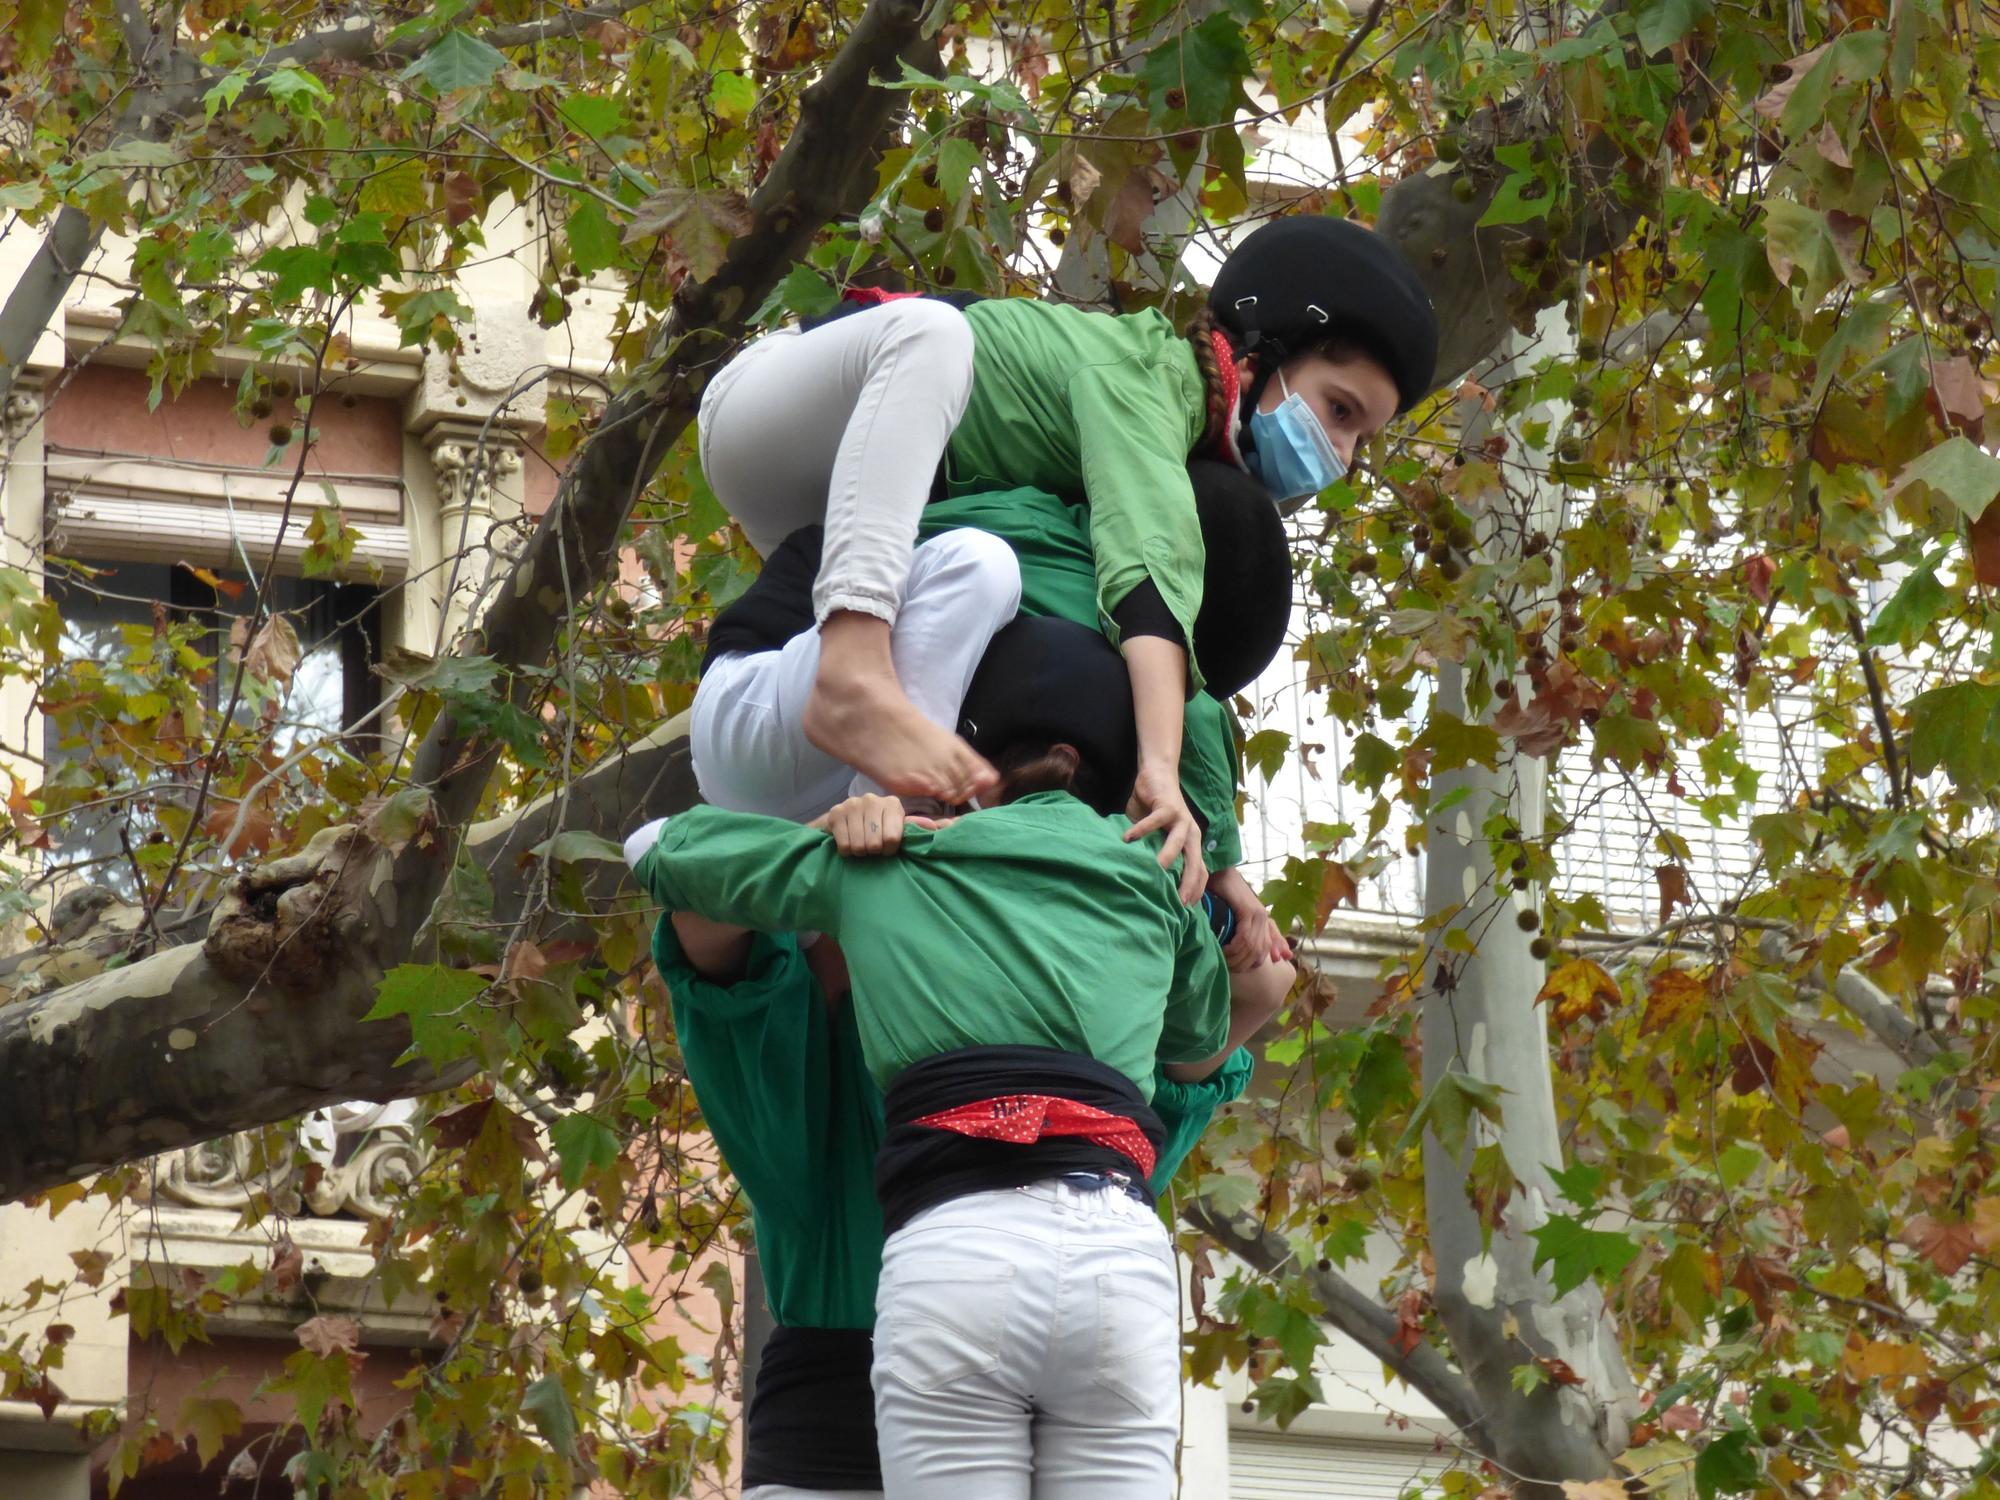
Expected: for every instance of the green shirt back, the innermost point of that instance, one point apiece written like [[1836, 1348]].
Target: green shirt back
[[779, 1077], [1033, 924], [1051, 539], [1099, 407]]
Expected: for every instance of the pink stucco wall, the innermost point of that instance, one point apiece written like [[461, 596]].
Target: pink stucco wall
[[103, 409]]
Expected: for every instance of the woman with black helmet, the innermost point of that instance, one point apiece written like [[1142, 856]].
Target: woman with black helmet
[[1317, 332]]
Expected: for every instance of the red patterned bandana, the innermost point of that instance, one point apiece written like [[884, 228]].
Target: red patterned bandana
[[1026, 1118], [1232, 393]]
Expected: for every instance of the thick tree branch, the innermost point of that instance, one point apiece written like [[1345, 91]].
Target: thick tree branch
[[572, 549], [1644, 340], [1355, 1314], [1469, 270], [36, 298]]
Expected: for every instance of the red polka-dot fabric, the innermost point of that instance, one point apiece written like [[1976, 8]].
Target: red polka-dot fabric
[[1026, 1118]]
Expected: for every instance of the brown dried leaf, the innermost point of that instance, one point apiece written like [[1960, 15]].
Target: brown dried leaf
[[1830, 146], [1946, 1246], [1141, 192], [1983, 537], [288, 1264], [1673, 882], [1956, 397], [329, 1332], [1757, 574], [461, 197], [274, 651]]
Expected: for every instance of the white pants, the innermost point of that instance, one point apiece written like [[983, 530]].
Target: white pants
[[844, 424], [747, 735], [1027, 1347]]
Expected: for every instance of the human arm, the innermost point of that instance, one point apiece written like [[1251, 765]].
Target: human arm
[[757, 1047], [1257, 938], [1158, 669], [1136, 420], [741, 869], [1255, 996]]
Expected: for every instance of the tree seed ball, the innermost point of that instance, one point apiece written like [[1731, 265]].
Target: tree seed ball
[[1527, 921], [1540, 948]]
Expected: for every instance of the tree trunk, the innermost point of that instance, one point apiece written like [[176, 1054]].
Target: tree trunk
[[1481, 1020]]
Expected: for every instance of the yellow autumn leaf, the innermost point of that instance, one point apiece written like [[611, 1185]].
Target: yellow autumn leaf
[[1579, 990]]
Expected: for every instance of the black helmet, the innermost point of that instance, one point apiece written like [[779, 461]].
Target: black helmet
[[1300, 280], [1045, 680], [1246, 583]]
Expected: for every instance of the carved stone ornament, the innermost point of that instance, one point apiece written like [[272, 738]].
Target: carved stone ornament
[[364, 1155], [468, 468]]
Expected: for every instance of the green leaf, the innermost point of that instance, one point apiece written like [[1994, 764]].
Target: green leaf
[[295, 88], [296, 270], [1660, 23], [583, 1143], [1448, 1110], [732, 96], [1911, 610], [1726, 1466], [1381, 1077], [1575, 1254], [438, 1003], [457, 61], [548, 1408], [1578, 1183], [956, 159], [1857, 55], [1455, 743], [802, 294], [1961, 471], [593, 243], [592, 114], [396, 189], [1265, 751], [37, 24], [1798, 242], [574, 844], [211, 1421], [1207, 64], [1958, 727]]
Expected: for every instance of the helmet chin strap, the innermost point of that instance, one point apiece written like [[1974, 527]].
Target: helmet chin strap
[[1262, 367]]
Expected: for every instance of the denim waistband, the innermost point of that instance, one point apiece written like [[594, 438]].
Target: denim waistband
[[1121, 1182]]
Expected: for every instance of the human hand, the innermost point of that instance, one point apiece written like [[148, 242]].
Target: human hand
[[1257, 939], [1158, 807], [870, 824]]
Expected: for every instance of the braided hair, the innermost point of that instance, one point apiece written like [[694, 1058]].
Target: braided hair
[[1221, 396]]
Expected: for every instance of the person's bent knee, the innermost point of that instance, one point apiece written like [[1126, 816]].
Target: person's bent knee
[[944, 335], [984, 570]]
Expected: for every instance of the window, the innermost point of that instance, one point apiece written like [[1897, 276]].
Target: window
[[147, 666]]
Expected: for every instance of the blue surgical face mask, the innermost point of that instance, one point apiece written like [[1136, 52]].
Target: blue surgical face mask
[[1290, 451]]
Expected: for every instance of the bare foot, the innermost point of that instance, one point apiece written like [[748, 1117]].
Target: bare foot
[[871, 726], [858, 713]]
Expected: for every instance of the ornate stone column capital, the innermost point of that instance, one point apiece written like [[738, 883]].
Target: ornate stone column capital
[[470, 464]]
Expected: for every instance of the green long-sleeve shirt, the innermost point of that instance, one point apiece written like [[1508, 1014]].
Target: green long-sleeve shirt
[[779, 1076], [1033, 924], [1093, 407], [1051, 539]]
